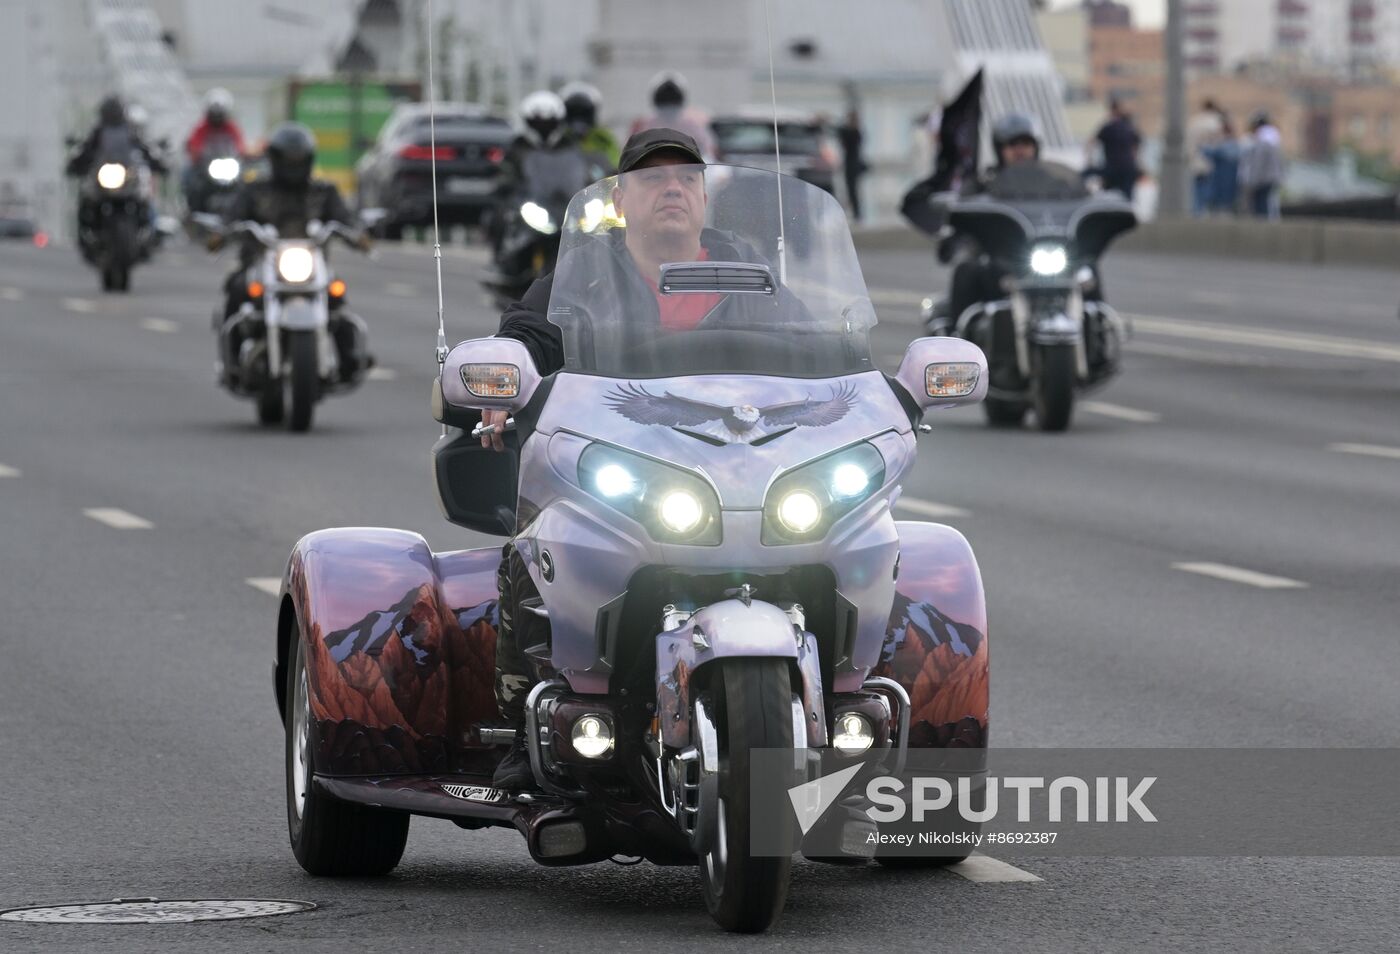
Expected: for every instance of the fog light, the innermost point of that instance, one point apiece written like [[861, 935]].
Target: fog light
[[592, 736], [854, 734]]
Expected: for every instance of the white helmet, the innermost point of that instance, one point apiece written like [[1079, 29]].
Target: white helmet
[[218, 105], [542, 112]]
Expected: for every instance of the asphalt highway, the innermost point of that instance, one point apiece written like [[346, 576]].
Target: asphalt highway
[[1210, 557]]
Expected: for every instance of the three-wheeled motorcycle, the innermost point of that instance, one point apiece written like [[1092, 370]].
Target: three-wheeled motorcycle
[[705, 515]]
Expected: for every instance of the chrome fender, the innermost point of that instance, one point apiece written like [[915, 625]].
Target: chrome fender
[[727, 630]]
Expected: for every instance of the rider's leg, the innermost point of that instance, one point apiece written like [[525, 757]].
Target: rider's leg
[[514, 673]]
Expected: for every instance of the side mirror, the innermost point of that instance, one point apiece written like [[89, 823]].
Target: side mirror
[[943, 372], [482, 374]]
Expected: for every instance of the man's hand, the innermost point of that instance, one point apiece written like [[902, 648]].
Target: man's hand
[[495, 419], [213, 241]]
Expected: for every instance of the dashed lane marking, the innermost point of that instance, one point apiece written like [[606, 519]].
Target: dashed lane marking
[[400, 290], [1118, 411], [80, 305], [927, 508], [383, 374], [1366, 450], [164, 325], [271, 585], [120, 519], [986, 870], [7, 471], [1277, 340], [9, 293], [1234, 574]]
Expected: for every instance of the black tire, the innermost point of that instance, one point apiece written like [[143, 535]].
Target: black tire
[[753, 708], [109, 278], [1053, 389], [1004, 413], [392, 231], [303, 381], [331, 837]]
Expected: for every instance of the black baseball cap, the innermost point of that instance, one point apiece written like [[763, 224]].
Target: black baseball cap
[[651, 141]]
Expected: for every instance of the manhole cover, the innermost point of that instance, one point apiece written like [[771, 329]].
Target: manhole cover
[[155, 911]]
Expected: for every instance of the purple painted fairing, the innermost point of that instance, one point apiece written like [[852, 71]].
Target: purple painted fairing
[[400, 647], [732, 629], [596, 550], [936, 641]]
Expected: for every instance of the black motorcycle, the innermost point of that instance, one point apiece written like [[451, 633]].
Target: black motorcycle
[[1048, 333], [530, 218], [213, 178], [116, 220]]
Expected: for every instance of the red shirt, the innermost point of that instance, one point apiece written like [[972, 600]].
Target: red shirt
[[195, 144], [684, 312]]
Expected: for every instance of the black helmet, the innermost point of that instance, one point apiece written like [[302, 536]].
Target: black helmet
[[581, 105], [291, 152], [111, 112], [668, 89]]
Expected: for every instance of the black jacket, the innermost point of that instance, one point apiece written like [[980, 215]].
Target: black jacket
[[112, 143], [608, 262], [288, 210]]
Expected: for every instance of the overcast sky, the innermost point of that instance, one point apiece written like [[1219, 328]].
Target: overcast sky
[[1146, 13]]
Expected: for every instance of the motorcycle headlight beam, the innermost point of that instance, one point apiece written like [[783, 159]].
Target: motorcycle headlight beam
[[674, 505], [1048, 260], [223, 170], [111, 175], [537, 217], [804, 503], [295, 264]]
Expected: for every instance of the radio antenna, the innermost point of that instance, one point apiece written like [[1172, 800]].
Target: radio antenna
[[432, 160], [777, 151]]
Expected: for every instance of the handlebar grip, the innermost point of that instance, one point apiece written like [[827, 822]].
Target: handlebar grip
[[483, 429]]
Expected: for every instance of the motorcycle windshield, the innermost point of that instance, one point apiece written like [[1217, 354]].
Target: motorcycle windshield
[[679, 269], [552, 176]]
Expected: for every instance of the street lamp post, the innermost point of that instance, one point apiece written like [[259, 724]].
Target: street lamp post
[[1172, 201]]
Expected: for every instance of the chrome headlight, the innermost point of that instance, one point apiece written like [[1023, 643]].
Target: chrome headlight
[[1048, 260], [296, 264], [111, 175], [804, 503], [223, 170], [674, 505], [537, 217]]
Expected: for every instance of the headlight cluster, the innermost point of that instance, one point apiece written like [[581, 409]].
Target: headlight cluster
[[1049, 260], [804, 503], [538, 218], [223, 170], [675, 506], [111, 175], [295, 264]]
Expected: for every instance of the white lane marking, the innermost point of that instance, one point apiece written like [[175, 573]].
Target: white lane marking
[[1231, 360], [164, 325], [120, 519], [986, 870], [383, 374], [1278, 340], [80, 305], [271, 585], [1120, 412], [12, 294], [928, 508], [1367, 450], [895, 298], [1234, 574], [400, 290], [7, 471]]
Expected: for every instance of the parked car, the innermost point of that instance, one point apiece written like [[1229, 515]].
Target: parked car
[[746, 139], [18, 227], [395, 174]]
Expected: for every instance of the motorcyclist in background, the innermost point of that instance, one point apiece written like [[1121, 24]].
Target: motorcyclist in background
[[113, 136], [542, 127], [289, 199], [217, 122], [581, 105], [668, 97]]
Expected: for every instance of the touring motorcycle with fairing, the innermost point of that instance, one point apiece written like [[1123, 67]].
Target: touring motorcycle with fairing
[[1048, 332], [706, 517]]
